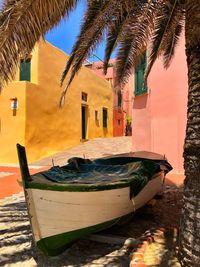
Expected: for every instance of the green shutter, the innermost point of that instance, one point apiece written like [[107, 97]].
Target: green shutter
[[139, 77], [25, 70]]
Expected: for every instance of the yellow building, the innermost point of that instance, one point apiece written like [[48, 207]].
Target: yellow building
[[30, 113]]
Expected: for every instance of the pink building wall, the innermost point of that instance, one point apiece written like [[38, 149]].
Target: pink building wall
[[159, 117]]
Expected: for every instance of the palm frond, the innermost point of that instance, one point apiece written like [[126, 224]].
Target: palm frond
[[134, 41], [90, 36], [92, 14], [127, 23], [167, 18], [22, 23], [126, 59], [117, 27], [171, 45], [113, 34]]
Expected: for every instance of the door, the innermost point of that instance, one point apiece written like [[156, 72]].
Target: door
[[84, 122]]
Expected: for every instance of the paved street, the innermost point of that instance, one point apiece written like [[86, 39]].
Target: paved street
[[99, 147]]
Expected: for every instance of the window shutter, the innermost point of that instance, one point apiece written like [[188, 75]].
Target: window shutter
[[139, 77], [25, 70]]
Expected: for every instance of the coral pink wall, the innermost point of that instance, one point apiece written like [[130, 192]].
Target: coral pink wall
[[159, 117]]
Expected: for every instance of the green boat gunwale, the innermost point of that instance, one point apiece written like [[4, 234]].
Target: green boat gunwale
[[77, 188]]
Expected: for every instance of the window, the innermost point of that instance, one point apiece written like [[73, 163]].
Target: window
[[14, 105], [139, 77], [109, 80], [25, 70], [84, 96], [96, 115], [105, 118], [119, 98]]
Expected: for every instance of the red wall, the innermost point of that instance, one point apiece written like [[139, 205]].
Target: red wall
[[160, 116], [118, 123]]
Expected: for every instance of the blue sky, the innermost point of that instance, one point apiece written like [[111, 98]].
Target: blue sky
[[64, 35]]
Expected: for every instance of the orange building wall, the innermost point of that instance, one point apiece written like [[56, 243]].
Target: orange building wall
[[41, 125], [12, 128], [160, 116]]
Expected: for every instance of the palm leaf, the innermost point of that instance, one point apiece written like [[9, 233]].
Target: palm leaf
[[117, 28], [90, 36], [166, 21], [114, 32], [94, 7], [171, 45], [23, 22], [134, 41]]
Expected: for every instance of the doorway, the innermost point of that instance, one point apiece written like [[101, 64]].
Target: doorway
[[84, 122]]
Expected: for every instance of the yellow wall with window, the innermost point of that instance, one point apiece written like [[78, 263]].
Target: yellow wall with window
[[39, 123]]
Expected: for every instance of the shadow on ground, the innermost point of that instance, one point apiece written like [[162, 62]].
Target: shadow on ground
[[15, 233]]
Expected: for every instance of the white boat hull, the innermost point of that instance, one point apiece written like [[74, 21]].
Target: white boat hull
[[53, 212]]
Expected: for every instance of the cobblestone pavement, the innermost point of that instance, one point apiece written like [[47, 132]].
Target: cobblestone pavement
[[99, 147]]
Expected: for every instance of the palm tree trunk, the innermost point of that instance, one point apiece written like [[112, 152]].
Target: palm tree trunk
[[189, 240]]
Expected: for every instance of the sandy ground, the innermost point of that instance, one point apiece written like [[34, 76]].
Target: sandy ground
[[16, 247]]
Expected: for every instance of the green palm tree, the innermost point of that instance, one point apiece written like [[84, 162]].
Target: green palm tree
[[133, 26]]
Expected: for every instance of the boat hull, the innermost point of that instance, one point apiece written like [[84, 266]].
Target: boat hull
[[59, 218]]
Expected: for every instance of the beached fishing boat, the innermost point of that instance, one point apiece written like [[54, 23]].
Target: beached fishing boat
[[67, 203]]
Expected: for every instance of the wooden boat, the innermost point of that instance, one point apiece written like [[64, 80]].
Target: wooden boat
[[63, 211]]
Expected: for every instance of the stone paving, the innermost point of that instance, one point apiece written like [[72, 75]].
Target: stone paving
[[99, 147]]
